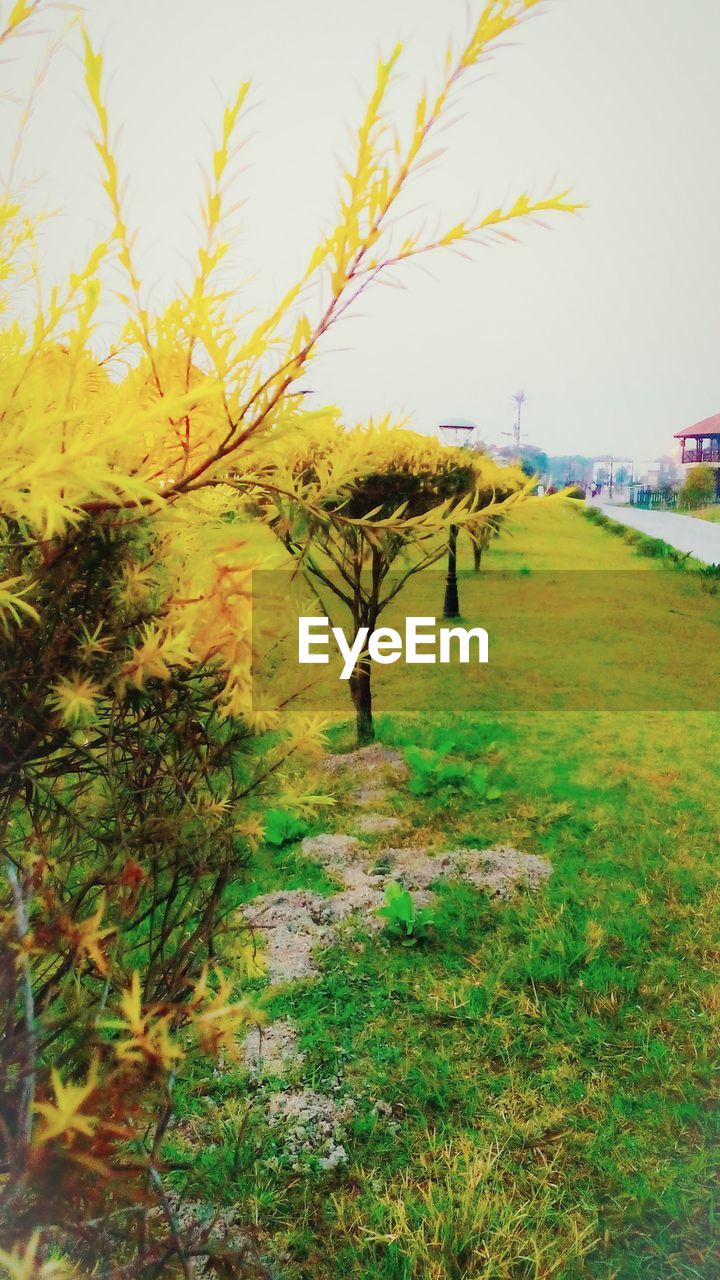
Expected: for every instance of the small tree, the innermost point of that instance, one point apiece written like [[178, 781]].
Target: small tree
[[394, 513], [482, 537], [700, 486]]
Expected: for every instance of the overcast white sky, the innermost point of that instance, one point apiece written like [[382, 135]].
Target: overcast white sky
[[608, 321]]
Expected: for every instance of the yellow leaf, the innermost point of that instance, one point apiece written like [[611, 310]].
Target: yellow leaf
[[75, 698], [86, 936], [26, 1264], [64, 1117], [147, 1034], [20, 11]]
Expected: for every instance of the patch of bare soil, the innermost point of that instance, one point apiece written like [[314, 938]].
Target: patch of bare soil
[[223, 1233], [369, 797], [500, 871], [372, 760], [375, 824], [333, 850], [312, 1124], [292, 922], [271, 1050], [368, 772], [295, 922]]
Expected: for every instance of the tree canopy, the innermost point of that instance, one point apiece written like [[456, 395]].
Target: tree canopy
[[382, 498]]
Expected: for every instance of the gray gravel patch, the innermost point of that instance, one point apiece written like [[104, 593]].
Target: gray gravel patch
[[272, 1050], [370, 760], [500, 871], [296, 922], [312, 1124], [373, 824]]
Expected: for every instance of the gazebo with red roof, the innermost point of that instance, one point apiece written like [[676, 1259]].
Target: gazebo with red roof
[[701, 443]]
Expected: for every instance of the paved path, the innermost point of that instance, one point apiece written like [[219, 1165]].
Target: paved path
[[686, 533]]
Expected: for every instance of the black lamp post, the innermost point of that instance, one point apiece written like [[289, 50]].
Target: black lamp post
[[458, 432]]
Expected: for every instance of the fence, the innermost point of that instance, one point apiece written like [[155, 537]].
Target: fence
[[665, 499]]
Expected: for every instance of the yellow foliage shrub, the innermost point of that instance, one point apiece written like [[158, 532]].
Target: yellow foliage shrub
[[132, 768]]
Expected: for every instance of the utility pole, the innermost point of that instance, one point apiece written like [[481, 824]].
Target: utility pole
[[519, 399], [454, 431], [516, 432], [610, 486]]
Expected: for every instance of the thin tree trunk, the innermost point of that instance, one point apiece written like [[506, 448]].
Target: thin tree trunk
[[477, 555], [451, 605], [361, 693]]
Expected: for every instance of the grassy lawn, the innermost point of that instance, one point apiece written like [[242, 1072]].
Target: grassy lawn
[[711, 513], [575, 620], [707, 513], [547, 1067]]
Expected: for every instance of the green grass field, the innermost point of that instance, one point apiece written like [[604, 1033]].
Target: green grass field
[[711, 513], [551, 1062], [707, 513], [576, 621]]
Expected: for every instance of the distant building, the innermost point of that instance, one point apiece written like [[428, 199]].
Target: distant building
[[601, 468], [647, 471], [701, 443]]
